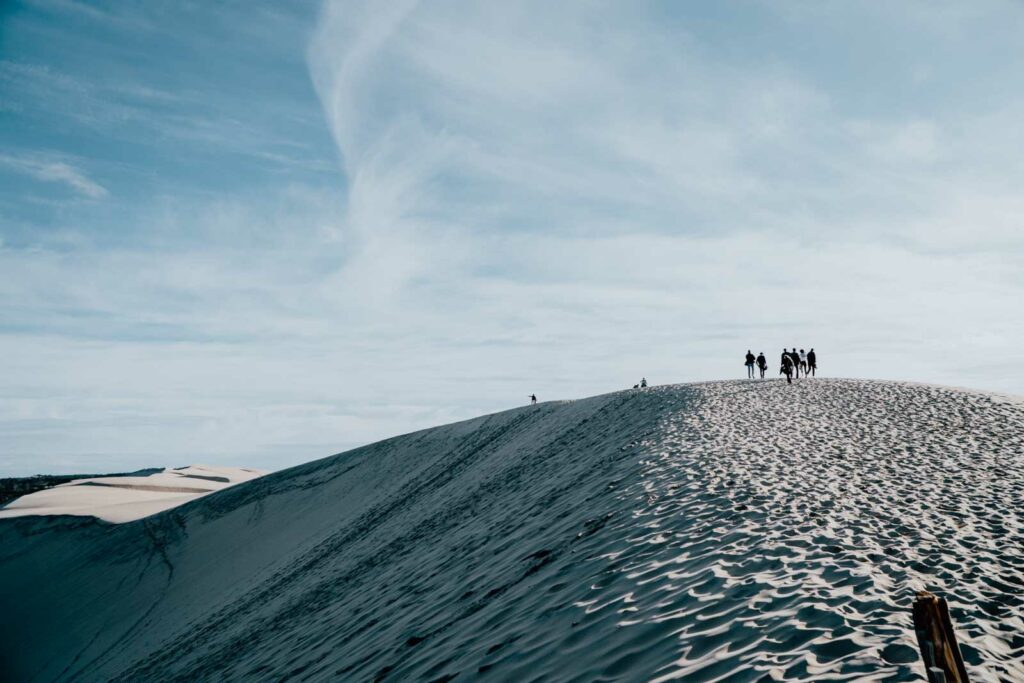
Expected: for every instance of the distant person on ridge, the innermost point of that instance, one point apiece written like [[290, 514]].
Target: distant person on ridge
[[803, 362], [749, 362], [762, 363], [643, 382], [533, 399], [787, 367], [812, 362]]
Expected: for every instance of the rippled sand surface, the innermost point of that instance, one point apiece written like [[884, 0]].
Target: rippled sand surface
[[721, 531]]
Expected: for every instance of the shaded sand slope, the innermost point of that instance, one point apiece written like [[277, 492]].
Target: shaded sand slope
[[123, 498], [741, 530]]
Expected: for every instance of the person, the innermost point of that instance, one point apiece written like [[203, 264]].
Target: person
[[643, 382], [803, 362], [749, 362], [762, 363], [787, 367], [533, 399], [795, 357], [812, 362]]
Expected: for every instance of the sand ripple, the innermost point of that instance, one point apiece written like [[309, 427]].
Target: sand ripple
[[747, 531], [803, 518]]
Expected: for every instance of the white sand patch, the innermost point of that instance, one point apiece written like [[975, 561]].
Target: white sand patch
[[124, 499]]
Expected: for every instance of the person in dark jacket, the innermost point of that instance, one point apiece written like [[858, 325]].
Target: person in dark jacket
[[787, 367], [762, 363], [795, 357], [812, 362], [749, 362]]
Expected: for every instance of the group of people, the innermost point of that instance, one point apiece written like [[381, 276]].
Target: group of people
[[793, 363]]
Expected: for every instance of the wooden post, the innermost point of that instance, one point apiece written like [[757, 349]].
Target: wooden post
[[935, 637]]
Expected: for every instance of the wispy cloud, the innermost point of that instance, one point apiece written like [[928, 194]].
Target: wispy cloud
[[537, 197], [151, 115], [530, 118], [126, 17], [53, 170], [590, 174]]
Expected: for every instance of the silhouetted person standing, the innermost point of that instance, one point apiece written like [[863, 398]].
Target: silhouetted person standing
[[787, 367], [643, 382], [812, 362], [749, 362], [803, 362], [533, 399], [762, 363], [795, 357]]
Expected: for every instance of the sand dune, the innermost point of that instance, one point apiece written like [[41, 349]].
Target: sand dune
[[720, 531], [124, 499]]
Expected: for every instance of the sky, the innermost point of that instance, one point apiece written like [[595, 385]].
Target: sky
[[260, 233]]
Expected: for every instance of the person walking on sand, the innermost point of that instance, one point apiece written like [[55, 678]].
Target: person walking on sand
[[762, 363], [803, 362], [533, 399], [795, 357], [749, 362], [787, 367], [812, 362]]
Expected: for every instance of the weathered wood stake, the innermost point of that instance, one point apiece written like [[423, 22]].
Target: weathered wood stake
[[935, 637]]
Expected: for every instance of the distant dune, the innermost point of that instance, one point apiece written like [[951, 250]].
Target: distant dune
[[16, 487], [731, 530], [125, 498]]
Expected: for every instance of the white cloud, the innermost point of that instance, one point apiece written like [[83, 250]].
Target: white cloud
[[911, 142], [55, 171], [538, 198]]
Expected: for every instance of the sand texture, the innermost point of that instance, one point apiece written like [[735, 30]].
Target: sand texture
[[722, 531]]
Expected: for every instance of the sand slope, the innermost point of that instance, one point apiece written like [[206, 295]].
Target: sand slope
[[124, 499], [731, 530]]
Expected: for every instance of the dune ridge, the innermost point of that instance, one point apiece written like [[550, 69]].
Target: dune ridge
[[727, 530]]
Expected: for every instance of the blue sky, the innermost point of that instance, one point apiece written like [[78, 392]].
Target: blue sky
[[259, 233]]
